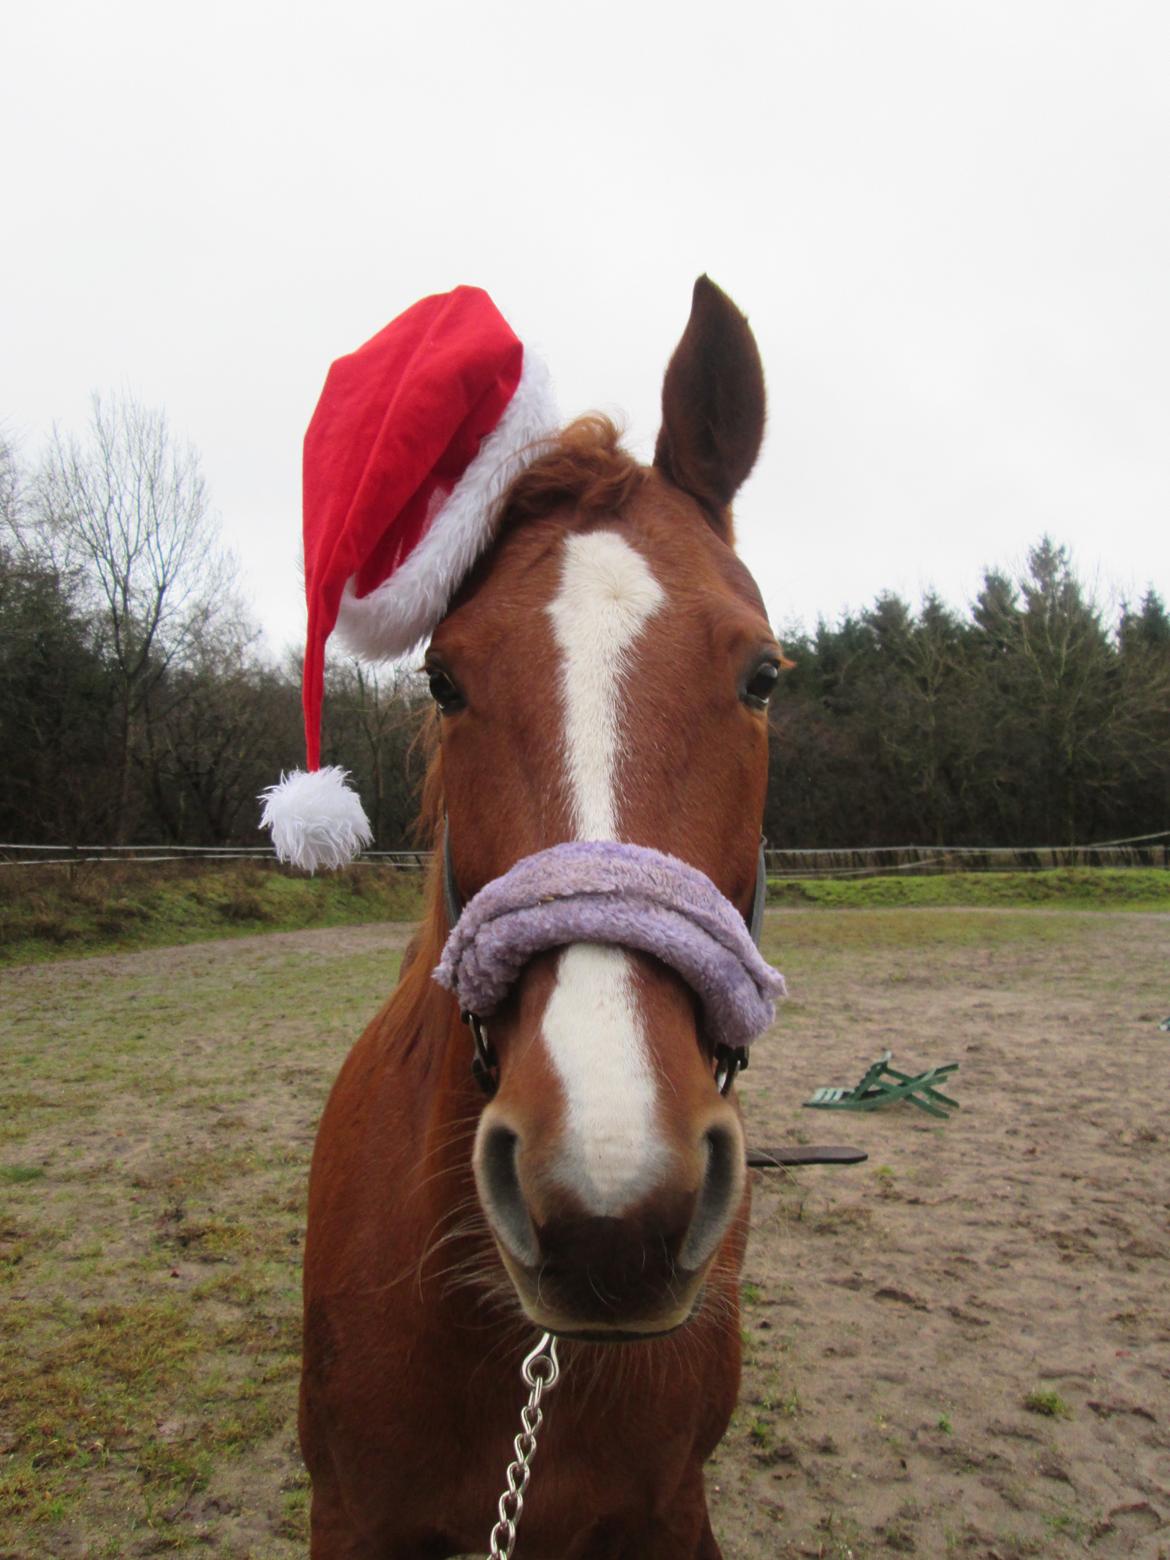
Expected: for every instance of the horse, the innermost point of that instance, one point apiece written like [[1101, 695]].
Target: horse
[[603, 674]]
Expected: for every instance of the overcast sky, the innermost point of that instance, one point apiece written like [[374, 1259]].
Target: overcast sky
[[949, 224]]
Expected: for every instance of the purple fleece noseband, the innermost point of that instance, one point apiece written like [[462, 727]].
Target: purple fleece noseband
[[599, 891]]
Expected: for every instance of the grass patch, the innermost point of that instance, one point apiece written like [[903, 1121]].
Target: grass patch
[[53, 912], [58, 912], [1066, 888], [1050, 1404], [150, 1244]]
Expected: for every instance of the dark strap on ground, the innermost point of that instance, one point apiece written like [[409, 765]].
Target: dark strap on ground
[[799, 1154]]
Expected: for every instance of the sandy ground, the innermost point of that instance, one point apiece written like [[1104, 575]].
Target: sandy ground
[[899, 1316], [907, 1309]]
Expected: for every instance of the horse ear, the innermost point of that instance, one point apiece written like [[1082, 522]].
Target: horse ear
[[712, 405]]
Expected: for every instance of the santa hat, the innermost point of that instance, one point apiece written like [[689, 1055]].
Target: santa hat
[[416, 438]]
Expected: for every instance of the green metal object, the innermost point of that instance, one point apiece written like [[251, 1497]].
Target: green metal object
[[883, 1085]]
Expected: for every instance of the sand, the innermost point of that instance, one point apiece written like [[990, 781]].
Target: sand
[[903, 1315]]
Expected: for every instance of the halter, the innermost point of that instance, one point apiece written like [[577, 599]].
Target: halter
[[626, 895]]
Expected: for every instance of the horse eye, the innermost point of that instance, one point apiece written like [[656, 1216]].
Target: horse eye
[[762, 684], [443, 690]]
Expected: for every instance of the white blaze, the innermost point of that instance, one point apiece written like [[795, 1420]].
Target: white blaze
[[592, 1025], [607, 594]]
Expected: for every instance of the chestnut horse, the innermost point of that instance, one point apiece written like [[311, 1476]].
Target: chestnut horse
[[603, 674]]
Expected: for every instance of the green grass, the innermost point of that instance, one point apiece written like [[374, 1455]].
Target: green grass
[[1067, 888], [893, 940], [1050, 1404], [51, 912], [156, 1135]]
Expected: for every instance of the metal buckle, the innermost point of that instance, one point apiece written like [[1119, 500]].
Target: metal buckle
[[485, 1064], [729, 1060]]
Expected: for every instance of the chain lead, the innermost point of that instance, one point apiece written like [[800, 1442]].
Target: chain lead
[[540, 1371]]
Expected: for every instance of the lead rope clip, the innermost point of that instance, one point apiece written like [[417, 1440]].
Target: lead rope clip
[[540, 1371]]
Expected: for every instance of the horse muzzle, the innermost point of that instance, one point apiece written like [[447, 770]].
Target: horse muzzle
[[617, 1276]]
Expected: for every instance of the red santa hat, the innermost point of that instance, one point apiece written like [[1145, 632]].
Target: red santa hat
[[416, 438]]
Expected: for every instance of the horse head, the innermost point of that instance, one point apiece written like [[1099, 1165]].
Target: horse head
[[603, 675]]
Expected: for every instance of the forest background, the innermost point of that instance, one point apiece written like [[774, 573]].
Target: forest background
[[139, 704]]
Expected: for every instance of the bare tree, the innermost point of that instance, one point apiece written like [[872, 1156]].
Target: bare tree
[[11, 491], [373, 715], [215, 732], [127, 507]]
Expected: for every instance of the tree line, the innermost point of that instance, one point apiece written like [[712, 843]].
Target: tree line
[[1031, 720], [137, 705], [136, 701]]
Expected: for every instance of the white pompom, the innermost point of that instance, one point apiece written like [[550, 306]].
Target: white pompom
[[315, 818]]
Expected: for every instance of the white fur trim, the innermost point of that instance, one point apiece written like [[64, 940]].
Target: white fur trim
[[315, 818], [406, 607]]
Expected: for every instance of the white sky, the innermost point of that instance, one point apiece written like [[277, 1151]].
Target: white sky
[[948, 222]]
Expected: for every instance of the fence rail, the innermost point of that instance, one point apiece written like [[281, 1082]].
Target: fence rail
[[77, 855], [1147, 850], [874, 861]]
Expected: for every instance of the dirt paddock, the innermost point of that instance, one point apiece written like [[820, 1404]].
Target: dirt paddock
[[961, 1347]]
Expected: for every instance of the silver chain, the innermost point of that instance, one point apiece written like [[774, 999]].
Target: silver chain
[[540, 1371]]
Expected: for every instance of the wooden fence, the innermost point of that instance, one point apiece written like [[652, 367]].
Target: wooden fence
[[1149, 850]]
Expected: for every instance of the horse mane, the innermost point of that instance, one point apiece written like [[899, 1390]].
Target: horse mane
[[422, 952], [587, 467]]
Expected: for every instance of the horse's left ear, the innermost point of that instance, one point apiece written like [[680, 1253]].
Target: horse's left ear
[[712, 405]]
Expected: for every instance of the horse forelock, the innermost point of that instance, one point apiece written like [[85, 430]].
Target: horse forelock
[[585, 466]]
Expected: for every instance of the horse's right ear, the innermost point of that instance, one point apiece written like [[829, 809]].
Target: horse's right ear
[[712, 405]]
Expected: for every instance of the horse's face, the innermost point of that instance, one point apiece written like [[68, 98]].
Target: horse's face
[[604, 676]]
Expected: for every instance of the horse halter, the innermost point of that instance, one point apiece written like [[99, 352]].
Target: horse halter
[[624, 895]]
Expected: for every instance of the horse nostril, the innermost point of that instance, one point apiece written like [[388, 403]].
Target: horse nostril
[[718, 1197], [499, 1189]]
